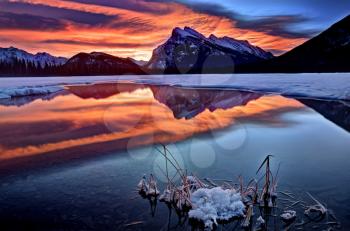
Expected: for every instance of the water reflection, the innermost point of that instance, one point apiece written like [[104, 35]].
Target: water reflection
[[103, 90], [188, 103], [90, 120], [335, 111]]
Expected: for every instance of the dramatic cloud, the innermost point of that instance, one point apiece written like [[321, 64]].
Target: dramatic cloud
[[29, 22], [135, 27], [275, 25], [132, 5], [100, 43], [71, 15]]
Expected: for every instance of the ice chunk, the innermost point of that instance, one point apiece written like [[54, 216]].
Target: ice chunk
[[289, 215], [211, 205]]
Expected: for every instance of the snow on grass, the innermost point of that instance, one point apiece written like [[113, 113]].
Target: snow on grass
[[326, 86], [211, 205]]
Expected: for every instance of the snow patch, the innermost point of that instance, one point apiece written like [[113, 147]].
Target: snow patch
[[289, 215], [211, 205], [28, 91]]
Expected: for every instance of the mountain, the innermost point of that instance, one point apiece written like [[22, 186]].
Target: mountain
[[16, 62], [327, 52], [98, 63], [12, 54], [188, 51]]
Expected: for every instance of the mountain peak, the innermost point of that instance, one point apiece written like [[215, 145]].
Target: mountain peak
[[187, 32], [187, 50], [194, 32]]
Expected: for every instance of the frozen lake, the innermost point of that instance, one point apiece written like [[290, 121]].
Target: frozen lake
[[70, 160]]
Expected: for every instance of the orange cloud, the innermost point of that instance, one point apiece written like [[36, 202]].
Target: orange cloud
[[132, 33]]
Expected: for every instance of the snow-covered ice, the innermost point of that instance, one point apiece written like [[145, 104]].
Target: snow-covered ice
[[289, 215], [326, 86], [25, 86], [211, 205]]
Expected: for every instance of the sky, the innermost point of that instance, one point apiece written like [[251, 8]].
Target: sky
[[133, 28]]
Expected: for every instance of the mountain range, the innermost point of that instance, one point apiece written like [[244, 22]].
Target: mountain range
[[188, 52], [12, 54]]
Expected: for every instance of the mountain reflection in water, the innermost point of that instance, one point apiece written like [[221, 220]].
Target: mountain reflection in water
[[91, 120], [184, 102], [335, 111]]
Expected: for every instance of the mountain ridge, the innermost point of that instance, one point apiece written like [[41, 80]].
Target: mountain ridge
[[99, 63]]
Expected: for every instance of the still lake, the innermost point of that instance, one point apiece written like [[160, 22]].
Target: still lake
[[71, 160]]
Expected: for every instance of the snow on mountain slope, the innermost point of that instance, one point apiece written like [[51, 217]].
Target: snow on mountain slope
[[240, 45], [10, 54], [188, 51]]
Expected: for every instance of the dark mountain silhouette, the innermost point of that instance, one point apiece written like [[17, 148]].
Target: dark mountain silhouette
[[97, 63], [327, 52], [336, 111]]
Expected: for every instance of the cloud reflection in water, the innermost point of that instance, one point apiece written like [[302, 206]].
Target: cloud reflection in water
[[96, 119]]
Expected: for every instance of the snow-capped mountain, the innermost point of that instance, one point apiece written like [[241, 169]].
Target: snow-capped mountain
[[98, 63], [11, 54], [188, 51]]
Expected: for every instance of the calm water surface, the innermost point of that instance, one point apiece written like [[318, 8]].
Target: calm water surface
[[71, 161]]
